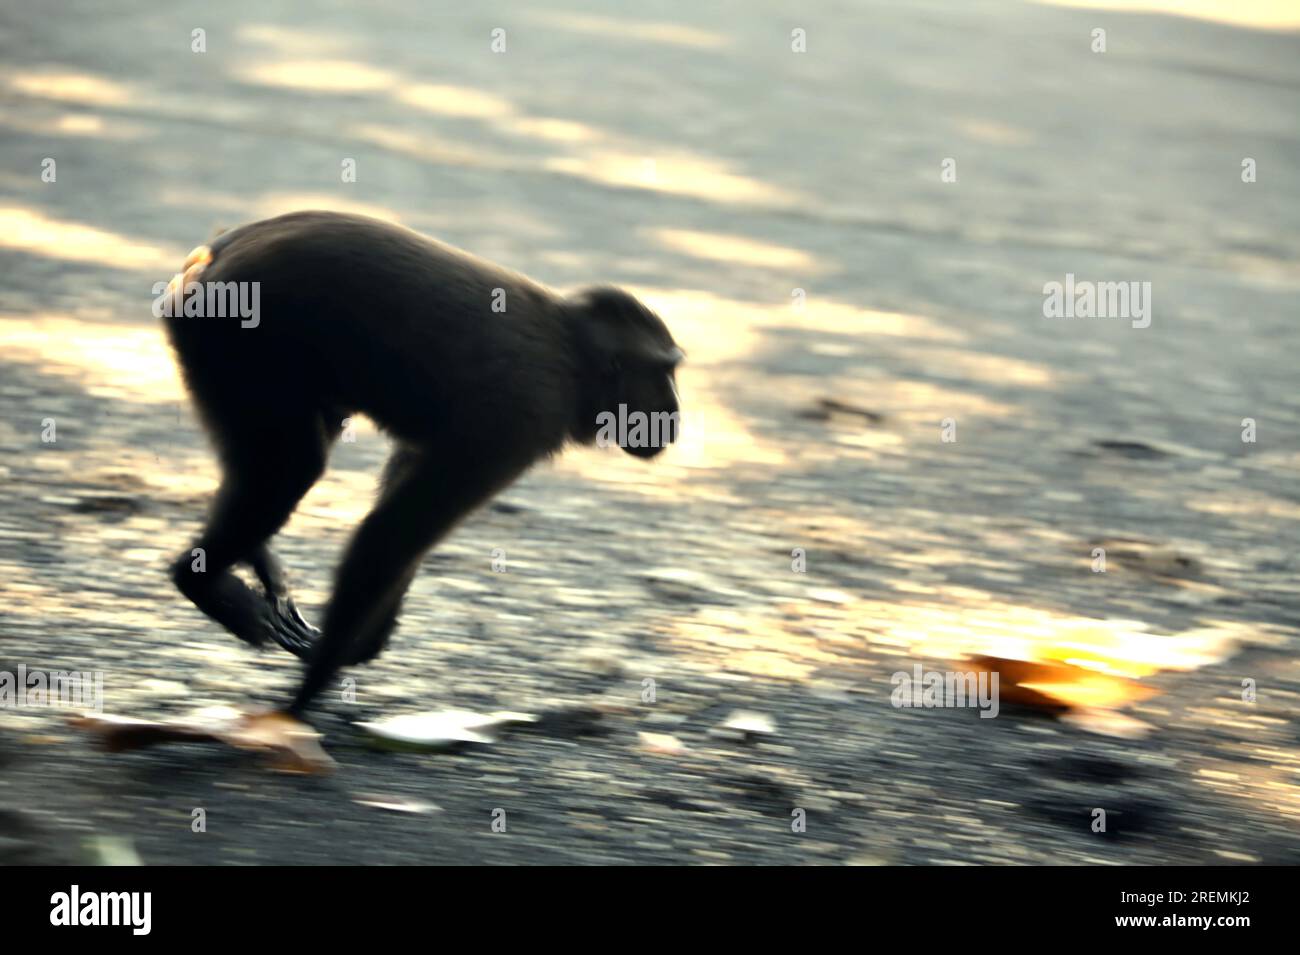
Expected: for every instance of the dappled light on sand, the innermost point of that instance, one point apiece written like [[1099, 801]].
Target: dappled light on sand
[[1090, 669], [713, 326], [232, 209], [1258, 14], [460, 101], [754, 644], [598, 155], [1050, 659], [71, 124], [736, 250], [712, 438], [636, 31], [318, 76], [26, 230], [1248, 504], [670, 171], [720, 335], [69, 87], [124, 362]]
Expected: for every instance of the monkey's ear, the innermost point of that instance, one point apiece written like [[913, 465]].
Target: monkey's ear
[[599, 317], [614, 326], [603, 305]]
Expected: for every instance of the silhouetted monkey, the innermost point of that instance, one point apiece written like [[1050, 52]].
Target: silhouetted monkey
[[357, 315]]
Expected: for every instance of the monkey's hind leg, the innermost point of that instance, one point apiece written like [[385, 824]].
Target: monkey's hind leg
[[265, 477]]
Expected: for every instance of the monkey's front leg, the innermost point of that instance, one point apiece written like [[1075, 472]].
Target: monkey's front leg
[[424, 500], [377, 560], [368, 646]]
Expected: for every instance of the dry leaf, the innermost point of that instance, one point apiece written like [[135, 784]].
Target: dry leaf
[[395, 803], [291, 745], [661, 744]]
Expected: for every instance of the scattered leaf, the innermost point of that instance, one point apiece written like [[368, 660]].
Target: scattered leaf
[[1107, 723], [1134, 450], [746, 724], [662, 744], [396, 803], [824, 408], [1059, 686], [291, 745], [445, 729]]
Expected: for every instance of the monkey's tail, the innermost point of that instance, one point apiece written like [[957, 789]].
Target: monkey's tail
[[198, 259]]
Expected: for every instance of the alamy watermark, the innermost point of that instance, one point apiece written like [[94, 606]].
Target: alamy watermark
[[80, 690], [638, 429], [133, 910], [240, 300], [1083, 299], [932, 689]]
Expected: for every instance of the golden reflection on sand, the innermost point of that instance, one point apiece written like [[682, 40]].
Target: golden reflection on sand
[[319, 76], [125, 362], [235, 209], [713, 437], [70, 124], [27, 230], [21, 587], [279, 203], [720, 334], [604, 157], [552, 130], [71, 87], [716, 247], [1265, 777], [646, 31], [1248, 504], [997, 370], [755, 644], [799, 635], [446, 100], [995, 132], [1257, 14], [292, 42], [719, 327], [427, 147], [676, 172]]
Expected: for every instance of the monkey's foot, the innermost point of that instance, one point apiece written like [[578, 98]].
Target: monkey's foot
[[286, 627]]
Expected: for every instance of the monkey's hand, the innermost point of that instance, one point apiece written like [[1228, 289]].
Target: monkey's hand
[[286, 627]]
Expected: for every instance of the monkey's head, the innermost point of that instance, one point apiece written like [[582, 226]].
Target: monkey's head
[[629, 363]]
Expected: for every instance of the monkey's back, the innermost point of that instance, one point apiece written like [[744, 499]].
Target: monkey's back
[[356, 314]]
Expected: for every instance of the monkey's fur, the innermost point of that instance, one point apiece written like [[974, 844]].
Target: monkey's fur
[[357, 315]]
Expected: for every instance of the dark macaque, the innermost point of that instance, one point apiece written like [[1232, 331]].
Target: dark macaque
[[356, 315]]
